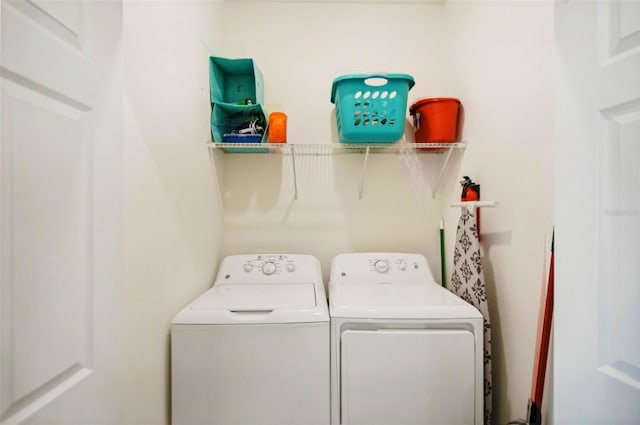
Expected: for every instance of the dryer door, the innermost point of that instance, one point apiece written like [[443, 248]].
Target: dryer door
[[407, 376]]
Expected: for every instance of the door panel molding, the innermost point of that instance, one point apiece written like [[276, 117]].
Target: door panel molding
[[61, 18], [26, 406], [43, 90], [70, 74], [619, 24], [619, 237], [47, 248]]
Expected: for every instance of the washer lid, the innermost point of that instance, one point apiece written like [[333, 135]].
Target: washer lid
[[378, 300], [258, 303], [257, 297]]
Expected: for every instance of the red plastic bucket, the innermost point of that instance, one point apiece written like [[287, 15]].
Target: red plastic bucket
[[437, 120]]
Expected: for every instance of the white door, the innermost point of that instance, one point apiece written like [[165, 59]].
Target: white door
[[597, 203], [61, 216], [408, 376]]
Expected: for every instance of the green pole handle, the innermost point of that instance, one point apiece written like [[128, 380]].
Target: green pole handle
[[443, 263]]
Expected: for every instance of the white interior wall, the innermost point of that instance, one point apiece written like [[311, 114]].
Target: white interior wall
[[172, 226], [301, 47], [501, 66]]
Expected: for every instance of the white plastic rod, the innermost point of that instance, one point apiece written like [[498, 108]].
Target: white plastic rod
[[364, 172], [472, 205]]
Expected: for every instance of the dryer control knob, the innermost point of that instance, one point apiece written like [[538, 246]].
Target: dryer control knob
[[381, 266], [268, 268], [291, 267], [247, 267]]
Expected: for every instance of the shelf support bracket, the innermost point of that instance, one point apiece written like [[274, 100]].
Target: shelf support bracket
[[216, 180], [295, 176], [436, 184], [364, 172]]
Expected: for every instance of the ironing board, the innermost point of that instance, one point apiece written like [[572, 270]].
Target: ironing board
[[467, 281]]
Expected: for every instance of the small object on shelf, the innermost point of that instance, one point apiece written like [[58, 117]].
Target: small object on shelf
[[371, 108], [277, 127], [242, 138], [437, 120], [238, 124]]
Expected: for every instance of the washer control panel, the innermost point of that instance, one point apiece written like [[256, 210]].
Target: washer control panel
[[269, 267], [384, 264], [380, 266]]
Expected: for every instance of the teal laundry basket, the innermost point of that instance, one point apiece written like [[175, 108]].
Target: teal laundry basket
[[371, 108]]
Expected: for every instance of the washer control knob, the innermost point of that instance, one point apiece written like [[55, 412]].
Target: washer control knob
[[402, 265], [268, 268], [247, 267], [381, 266], [291, 267]]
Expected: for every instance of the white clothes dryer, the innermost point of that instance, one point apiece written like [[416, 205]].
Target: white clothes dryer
[[404, 350], [254, 348]]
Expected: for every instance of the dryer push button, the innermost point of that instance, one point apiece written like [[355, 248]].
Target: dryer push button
[[402, 265]]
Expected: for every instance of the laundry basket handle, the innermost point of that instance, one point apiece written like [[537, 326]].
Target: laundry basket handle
[[376, 80]]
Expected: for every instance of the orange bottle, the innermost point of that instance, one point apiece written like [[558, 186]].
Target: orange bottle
[[277, 127]]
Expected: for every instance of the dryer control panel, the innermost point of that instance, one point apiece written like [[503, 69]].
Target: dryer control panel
[[387, 266], [259, 268]]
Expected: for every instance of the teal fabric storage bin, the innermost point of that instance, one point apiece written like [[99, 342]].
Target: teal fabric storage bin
[[239, 124], [371, 108], [235, 81]]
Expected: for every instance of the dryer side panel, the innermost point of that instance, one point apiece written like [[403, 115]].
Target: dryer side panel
[[408, 376]]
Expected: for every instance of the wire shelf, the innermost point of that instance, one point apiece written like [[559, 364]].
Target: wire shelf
[[326, 149], [336, 148]]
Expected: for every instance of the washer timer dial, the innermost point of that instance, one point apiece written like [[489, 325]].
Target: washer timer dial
[[381, 266]]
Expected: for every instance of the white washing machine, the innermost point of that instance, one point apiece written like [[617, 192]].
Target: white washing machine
[[254, 348], [404, 350]]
